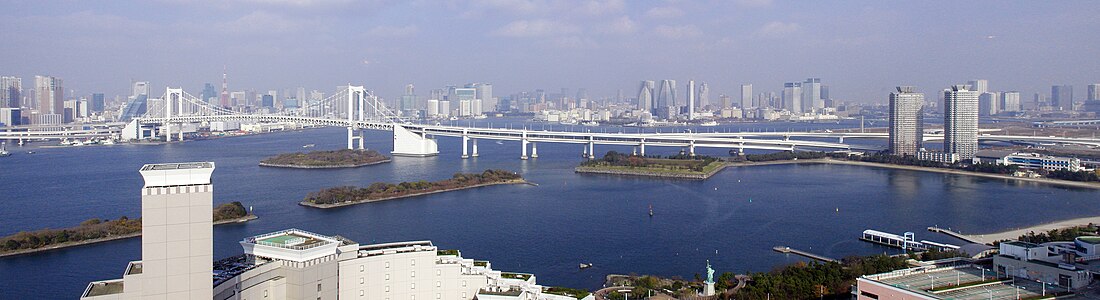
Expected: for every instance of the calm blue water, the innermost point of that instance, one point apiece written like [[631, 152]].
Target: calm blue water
[[547, 230]]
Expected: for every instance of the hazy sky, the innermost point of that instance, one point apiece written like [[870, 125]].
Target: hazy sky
[[862, 49]]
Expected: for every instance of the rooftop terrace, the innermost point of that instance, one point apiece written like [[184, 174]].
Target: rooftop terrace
[[963, 283], [177, 166]]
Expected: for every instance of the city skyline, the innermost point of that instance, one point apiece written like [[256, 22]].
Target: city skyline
[[317, 44]]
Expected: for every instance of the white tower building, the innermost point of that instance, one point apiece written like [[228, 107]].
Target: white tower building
[[960, 121]]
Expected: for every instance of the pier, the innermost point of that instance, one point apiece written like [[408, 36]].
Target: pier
[[789, 250], [957, 235]]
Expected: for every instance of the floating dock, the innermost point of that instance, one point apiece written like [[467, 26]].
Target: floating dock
[[789, 250], [956, 235]]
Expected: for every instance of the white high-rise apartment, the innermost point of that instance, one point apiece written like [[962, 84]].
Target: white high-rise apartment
[[11, 91], [703, 96], [960, 121], [989, 104], [433, 107], [906, 121], [1010, 101], [645, 96], [746, 96], [51, 95], [979, 85], [811, 95], [1093, 92]]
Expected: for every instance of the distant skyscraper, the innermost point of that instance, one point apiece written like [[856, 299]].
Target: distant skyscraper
[[989, 104], [408, 100], [691, 99], [1010, 101], [484, 91], [825, 93], [703, 96], [726, 101], [979, 85], [98, 103], [645, 96], [666, 95], [137, 104], [209, 94], [906, 121], [746, 96], [1061, 97], [960, 121], [267, 101], [11, 89], [792, 97], [1094, 92], [51, 94], [811, 95]]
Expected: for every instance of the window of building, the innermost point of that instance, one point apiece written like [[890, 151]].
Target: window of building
[[412, 286], [868, 295], [412, 262], [361, 293], [437, 296], [265, 293], [438, 273], [318, 287], [362, 280], [387, 276], [463, 295], [361, 268], [437, 283], [387, 289], [387, 265], [412, 273], [463, 285]]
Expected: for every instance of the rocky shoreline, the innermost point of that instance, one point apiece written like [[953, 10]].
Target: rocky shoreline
[[262, 164], [649, 173], [347, 203], [243, 219]]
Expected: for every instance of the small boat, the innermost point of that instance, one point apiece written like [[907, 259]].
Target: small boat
[[590, 123], [500, 143], [108, 142], [585, 266], [710, 123], [30, 152], [4, 150], [308, 145], [651, 210]]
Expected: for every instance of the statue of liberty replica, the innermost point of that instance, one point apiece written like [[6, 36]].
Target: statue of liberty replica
[[709, 289]]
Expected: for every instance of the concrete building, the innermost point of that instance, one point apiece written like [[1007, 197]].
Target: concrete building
[[979, 85], [746, 96], [811, 95], [906, 124], [960, 121], [50, 94], [11, 116], [1027, 160], [792, 97], [1061, 97], [955, 278], [177, 237], [1038, 263], [1010, 101], [645, 96], [288, 264], [433, 108], [11, 91], [989, 104], [666, 104], [703, 96], [1093, 92], [691, 99]]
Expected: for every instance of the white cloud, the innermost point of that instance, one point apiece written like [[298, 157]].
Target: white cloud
[[677, 32], [262, 22], [621, 25], [575, 42], [535, 28], [393, 31], [664, 12], [600, 7], [777, 29]]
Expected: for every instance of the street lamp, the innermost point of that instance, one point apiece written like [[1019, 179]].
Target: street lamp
[[990, 292], [933, 281]]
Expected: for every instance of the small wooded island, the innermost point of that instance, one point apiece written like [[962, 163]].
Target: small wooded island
[[344, 158], [677, 166], [96, 230], [381, 191]]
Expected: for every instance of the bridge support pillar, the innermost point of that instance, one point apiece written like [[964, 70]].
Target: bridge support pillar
[[642, 147], [523, 145], [408, 143], [473, 147], [591, 150], [841, 140], [691, 149], [465, 145], [634, 151], [534, 150], [351, 138]]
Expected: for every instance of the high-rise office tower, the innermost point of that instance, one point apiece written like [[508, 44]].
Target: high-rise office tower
[[1010, 101], [1039, 101], [703, 96], [746, 96], [137, 104], [691, 99], [1094, 92], [645, 96], [666, 95], [960, 121], [906, 121], [50, 93], [408, 100], [209, 94], [484, 91], [1061, 97], [825, 93], [811, 95], [177, 235], [989, 104], [726, 101], [11, 91], [98, 103], [979, 85], [792, 97]]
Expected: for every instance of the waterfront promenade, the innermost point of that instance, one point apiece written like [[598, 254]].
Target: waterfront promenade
[[1041, 228]]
